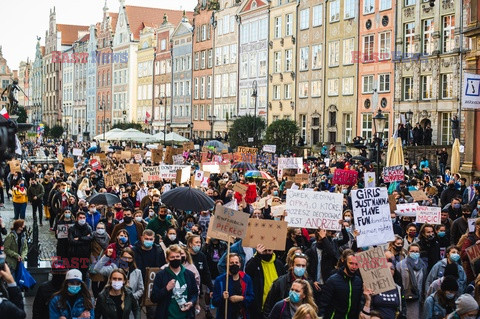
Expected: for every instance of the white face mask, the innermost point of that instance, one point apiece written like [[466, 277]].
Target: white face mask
[[172, 237], [101, 231], [138, 218], [117, 285], [82, 221]]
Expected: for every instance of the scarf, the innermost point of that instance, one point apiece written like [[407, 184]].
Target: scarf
[[269, 275], [412, 267], [102, 240]]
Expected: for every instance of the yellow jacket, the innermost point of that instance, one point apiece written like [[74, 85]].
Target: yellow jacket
[[19, 196]]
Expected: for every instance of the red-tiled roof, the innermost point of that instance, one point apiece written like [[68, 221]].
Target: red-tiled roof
[[70, 33], [138, 17], [114, 17]]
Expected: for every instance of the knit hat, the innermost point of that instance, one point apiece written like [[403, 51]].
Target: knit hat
[[465, 303], [74, 274], [451, 270], [449, 283]]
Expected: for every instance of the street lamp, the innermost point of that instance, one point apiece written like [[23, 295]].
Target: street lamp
[[102, 107], [255, 96], [379, 121], [164, 117]]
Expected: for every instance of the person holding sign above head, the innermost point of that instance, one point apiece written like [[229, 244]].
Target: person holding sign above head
[[299, 294], [240, 291]]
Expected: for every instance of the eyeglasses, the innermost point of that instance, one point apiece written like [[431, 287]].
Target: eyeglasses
[[300, 255]]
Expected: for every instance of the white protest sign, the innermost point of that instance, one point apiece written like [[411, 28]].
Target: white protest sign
[[151, 173], [77, 152], [211, 167], [199, 176], [428, 215], [372, 216], [471, 224], [327, 162], [289, 163], [407, 210], [369, 179], [230, 222], [170, 171], [62, 230], [314, 209], [269, 148], [177, 159]]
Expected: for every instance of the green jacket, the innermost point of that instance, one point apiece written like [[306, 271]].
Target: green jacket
[[160, 227], [35, 190], [11, 249], [105, 306]]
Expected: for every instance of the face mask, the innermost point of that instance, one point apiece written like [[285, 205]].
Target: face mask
[[441, 234], [110, 214], [100, 231], [234, 269], [82, 222], [74, 289], [449, 295], [127, 220], [478, 206], [196, 249], [344, 191], [398, 248], [275, 193], [454, 257], [414, 256], [172, 237], [394, 220], [347, 219], [138, 218], [294, 296], [299, 271], [123, 240], [456, 206], [22, 184], [431, 237], [162, 217], [68, 215], [184, 259], [412, 234], [190, 224], [117, 285], [148, 243], [175, 263], [266, 257], [151, 213], [92, 210]]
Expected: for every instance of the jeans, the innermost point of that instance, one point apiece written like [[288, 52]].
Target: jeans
[[37, 206], [442, 169], [2, 195], [19, 210]]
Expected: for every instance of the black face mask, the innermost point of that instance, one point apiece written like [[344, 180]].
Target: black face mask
[[398, 248], [118, 209], [228, 198], [184, 259], [127, 219], [266, 257], [58, 279], [175, 263], [162, 217], [234, 269], [109, 214]]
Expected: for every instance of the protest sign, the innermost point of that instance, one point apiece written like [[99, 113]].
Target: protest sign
[[168, 155], [471, 224], [407, 210], [375, 271], [136, 177], [269, 148], [157, 155], [345, 177], [132, 168], [115, 178], [247, 150], [314, 209], [369, 179], [151, 272], [240, 188], [126, 155], [183, 175], [212, 167], [68, 162], [177, 159], [278, 210], [15, 165], [372, 216], [60, 157], [170, 171], [294, 163], [393, 173], [138, 158], [392, 202], [428, 215], [473, 253], [95, 164], [198, 176], [301, 179], [187, 146], [230, 222], [418, 195], [270, 233], [151, 173], [77, 152], [62, 230], [211, 233]]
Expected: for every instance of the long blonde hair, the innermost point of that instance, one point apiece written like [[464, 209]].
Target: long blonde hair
[[108, 286], [308, 292], [304, 310], [84, 184]]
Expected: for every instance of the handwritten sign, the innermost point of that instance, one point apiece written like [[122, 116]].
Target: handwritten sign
[[77, 152], [284, 163], [369, 179], [211, 233], [68, 162], [183, 175], [345, 177], [430, 215], [151, 173], [393, 173], [269, 148], [407, 210], [471, 224], [270, 233], [372, 216], [151, 272], [375, 271], [247, 150], [138, 158], [240, 188], [177, 159], [132, 168], [157, 155], [473, 253], [168, 155], [314, 209], [301, 179], [115, 178], [126, 155], [212, 167], [231, 222], [418, 195]]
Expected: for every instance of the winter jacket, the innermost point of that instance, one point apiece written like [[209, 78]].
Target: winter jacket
[[281, 310], [11, 249], [402, 268], [47, 187], [19, 196], [433, 309], [35, 190], [247, 293], [429, 252], [341, 296], [154, 257], [81, 247], [105, 307], [163, 297], [12, 307], [72, 311], [93, 219], [42, 299], [438, 270], [201, 263], [135, 280], [118, 227]]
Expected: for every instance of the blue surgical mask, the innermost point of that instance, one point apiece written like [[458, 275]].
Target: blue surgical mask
[[344, 191], [348, 229], [456, 206], [123, 240], [74, 289], [299, 271], [478, 207], [294, 296], [394, 220], [441, 234], [454, 257], [190, 224], [275, 193], [196, 249], [148, 243], [414, 256], [449, 295]]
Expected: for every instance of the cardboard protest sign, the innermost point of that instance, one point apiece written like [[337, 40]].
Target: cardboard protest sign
[[168, 155], [393, 202], [230, 222], [77, 152], [126, 155], [247, 150], [301, 179], [375, 271], [157, 155], [177, 159], [183, 175], [187, 146], [269, 148], [68, 162], [293, 163], [151, 173], [372, 216], [151, 272], [471, 224], [418, 195], [408, 209], [430, 215], [132, 168], [314, 209], [115, 178], [211, 233], [245, 157], [393, 173], [270, 233], [138, 158], [345, 177], [60, 157], [136, 177], [16, 167], [369, 179], [473, 253], [240, 188]]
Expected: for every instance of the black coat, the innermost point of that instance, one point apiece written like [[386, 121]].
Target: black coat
[[42, 299], [13, 307], [429, 252], [82, 246], [200, 261], [143, 257], [105, 306]]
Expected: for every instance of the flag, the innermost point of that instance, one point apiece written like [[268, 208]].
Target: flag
[[147, 116], [4, 113]]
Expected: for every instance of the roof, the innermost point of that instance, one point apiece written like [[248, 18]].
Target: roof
[[114, 17], [85, 38], [70, 32], [139, 17]]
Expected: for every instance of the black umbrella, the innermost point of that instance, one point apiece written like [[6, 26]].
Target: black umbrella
[[106, 199], [244, 166], [360, 158], [186, 198]]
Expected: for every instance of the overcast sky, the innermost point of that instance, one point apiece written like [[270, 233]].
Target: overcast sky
[[23, 20]]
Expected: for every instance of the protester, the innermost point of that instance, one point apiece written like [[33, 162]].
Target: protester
[[15, 245], [47, 289], [300, 293], [35, 195], [79, 241], [99, 245], [19, 199], [452, 257], [466, 308], [11, 299], [442, 302]]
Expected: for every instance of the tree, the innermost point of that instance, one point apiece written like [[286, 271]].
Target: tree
[[22, 115], [126, 126], [56, 131], [282, 133], [245, 127], [46, 130]]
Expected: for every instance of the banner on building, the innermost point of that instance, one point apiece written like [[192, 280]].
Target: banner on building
[[471, 91]]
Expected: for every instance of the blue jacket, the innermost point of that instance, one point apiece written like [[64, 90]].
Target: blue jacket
[[235, 248], [219, 288], [433, 309], [70, 312], [93, 219], [438, 271]]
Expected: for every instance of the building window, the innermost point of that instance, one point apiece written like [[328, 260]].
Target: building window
[[287, 91], [348, 46], [332, 118], [218, 56], [385, 4], [289, 24], [384, 44], [367, 81], [334, 11], [349, 9], [304, 58], [384, 82], [244, 66], [202, 60], [303, 89], [288, 60], [278, 27], [367, 126], [210, 58], [368, 44], [202, 88], [407, 88], [347, 86], [448, 33], [195, 88], [196, 63], [253, 64], [226, 54], [427, 87], [225, 85], [409, 3], [276, 92], [316, 88], [243, 98], [446, 128], [368, 6], [262, 63], [332, 87], [333, 51], [447, 86], [218, 85], [316, 56], [303, 123], [348, 128], [209, 87], [233, 53], [428, 45], [409, 46], [317, 15], [277, 62], [233, 84], [304, 18]]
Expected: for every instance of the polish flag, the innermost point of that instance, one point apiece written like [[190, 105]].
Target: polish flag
[[4, 113], [147, 116]]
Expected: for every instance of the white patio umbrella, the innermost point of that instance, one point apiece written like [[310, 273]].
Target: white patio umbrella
[[158, 137], [113, 133], [174, 137], [133, 135]]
